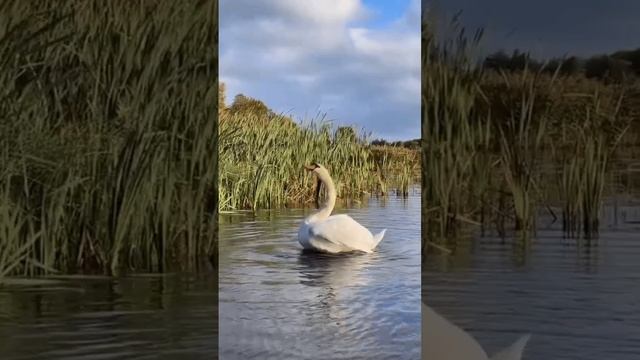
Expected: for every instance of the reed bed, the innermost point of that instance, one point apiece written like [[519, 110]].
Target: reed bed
[[454, 137], [586, 166], [108, 136], [495, 141], [262, 158], [398, 169]]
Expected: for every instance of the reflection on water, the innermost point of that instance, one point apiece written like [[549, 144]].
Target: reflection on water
[[279, 302], [580, 300], [139, 317]]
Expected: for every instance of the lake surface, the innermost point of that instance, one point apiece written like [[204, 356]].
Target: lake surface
[[91, 318], [580, 300], [277, 302]]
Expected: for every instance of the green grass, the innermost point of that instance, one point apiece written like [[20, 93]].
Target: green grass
[[107, 136]]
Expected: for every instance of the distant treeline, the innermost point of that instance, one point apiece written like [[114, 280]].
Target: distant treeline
[[243, 104], [409, 144], [616, 67]]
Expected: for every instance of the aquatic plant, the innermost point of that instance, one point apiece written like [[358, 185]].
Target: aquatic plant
[[454, 135], [262, 158], [584, 169], [107, 136], [492, 139], [521, 135]]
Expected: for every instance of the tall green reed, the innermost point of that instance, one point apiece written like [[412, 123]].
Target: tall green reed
[[585, 168], [108, 136], [262, 158], [454, 133], [488, 138], [522, 132]]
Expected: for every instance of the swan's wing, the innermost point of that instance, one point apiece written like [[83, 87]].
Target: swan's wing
[[513, 352], [442, 340], [342, 230]]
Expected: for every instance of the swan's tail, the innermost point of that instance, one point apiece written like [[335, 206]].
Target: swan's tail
[[513, 352], [378, 237]]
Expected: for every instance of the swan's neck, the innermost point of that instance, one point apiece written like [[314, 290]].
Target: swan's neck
[[327, 208]]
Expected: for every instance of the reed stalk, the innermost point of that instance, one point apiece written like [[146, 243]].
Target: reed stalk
[[454, 132], [107, 136], [489, 138], [585, 171], [262, 158]]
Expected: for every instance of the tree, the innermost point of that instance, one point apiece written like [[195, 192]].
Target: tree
[[249, 106], [619, 69], [570, 66], [519, 60], [632, 56], [516, 62], [608, 68], [221, 96], [497, 61], [379, 142], [346, 132], [596, 67]]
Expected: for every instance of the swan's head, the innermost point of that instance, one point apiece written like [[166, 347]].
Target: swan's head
[[314, 167], [319, 170], [322, 176]]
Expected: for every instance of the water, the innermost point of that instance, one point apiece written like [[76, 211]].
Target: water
[[91, 318], [277, 302], [580, 301]]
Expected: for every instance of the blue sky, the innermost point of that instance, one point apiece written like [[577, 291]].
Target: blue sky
[[357, 61], [385, 11]]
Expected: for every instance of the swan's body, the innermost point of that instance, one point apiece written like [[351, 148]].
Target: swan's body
[[442, 340], [337, 233]]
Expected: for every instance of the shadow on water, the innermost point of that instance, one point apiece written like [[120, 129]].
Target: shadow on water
[[334, 270], [330, 274], [92, 317]]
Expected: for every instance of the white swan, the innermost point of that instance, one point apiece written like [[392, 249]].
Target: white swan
[[442, 340], [337, 233]]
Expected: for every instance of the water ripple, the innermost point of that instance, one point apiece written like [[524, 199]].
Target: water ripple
[[578, 299], [277, 302], [125, 318]]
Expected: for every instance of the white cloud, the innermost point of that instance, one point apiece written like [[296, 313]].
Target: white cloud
[[321, 12], [316, 54]]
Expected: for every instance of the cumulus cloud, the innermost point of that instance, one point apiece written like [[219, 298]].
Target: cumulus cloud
[[307, 56]]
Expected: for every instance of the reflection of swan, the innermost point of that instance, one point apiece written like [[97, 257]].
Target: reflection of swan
[[333, 270], [337, 233], [442, 340], [332, 279]]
